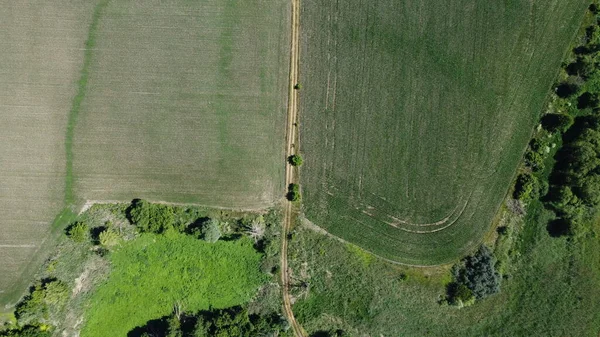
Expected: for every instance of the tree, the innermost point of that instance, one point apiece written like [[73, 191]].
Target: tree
[[554, 122], [153, 218], [295, 160], [478, 273], [210, 231], [79, 232], [535, 160], [459, 294], [588, 100]]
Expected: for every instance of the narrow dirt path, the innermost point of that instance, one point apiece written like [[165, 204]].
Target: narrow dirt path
[[291, 175]]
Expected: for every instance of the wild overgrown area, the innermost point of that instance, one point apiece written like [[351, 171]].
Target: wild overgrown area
[[134, 269]]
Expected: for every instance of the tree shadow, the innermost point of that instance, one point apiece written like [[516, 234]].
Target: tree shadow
[[558, 227]]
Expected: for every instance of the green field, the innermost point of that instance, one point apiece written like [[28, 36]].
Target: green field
[[153, 273], [41, 54], [185, 102], [416, 113]]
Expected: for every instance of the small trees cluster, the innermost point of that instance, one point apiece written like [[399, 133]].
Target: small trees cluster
[[234, 321], [36, 307], [293, 192], [475, 277], [152, 218]]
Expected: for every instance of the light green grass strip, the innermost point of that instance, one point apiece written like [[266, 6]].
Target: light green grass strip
[[90, 43]]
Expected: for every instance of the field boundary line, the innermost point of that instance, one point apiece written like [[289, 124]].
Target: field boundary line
[[290, 173], [312, 226]]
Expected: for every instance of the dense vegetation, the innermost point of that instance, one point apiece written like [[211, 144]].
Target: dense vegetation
[[228, 322], [572, 190], [185, 269]]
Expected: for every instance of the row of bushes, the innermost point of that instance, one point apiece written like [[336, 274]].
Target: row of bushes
[[234, 321], [572, 190]]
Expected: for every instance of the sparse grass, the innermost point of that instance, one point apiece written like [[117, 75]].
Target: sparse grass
[[414, 121], [551, 290], [191, 108]]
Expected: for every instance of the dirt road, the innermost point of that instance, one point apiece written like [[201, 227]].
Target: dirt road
[[290, 172]]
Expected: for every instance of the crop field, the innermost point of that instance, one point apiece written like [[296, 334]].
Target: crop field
[[185, 102], [41, 52], [416, 113], [174, 101]]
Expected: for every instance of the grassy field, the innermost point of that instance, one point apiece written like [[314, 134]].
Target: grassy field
[[415, 115], [185, 102], [153, 273], [40, 49], [550, 290]]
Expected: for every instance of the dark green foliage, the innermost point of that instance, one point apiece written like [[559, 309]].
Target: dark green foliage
[[459, 294], [525, 187], [27, 331], [79, 232], [152, 218], [295, 160], [236, 322], [588, 100], [478, 273], [535, 160], [230, 322], [557, 122], [293, 192]]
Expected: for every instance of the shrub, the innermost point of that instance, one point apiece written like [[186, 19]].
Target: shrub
[[293, 192], [295, 160], [535, 160], [210, 231], [79, 232], [459, 294], [525, 187], [109, 238], [43, 296], [152, 218]]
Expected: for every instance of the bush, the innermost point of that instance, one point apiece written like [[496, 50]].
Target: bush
[[535, 160], [109, 238], [152, 218], [210, 231], [525, 187], [295, 160], [28, 331], [79, 232], [43, 296], [459, 294], [293, 192]]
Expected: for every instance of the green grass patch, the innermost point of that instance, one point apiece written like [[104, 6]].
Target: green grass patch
[[550, 289], [155, 272]]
